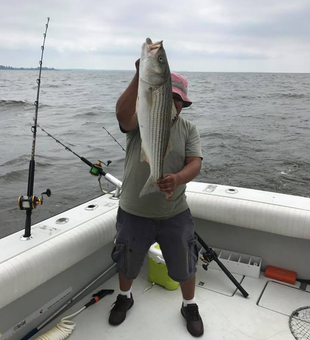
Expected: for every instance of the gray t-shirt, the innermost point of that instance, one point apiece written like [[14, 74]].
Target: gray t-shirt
[[185, 143]]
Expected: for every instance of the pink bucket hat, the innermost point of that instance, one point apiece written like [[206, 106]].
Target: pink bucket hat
[[179, 86]]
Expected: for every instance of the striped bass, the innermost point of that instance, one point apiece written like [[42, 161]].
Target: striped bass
[[155, 108]]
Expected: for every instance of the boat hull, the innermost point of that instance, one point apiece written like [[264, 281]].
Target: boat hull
[[43, 274]]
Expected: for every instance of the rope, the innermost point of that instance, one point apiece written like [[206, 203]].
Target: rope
[[62, 330]]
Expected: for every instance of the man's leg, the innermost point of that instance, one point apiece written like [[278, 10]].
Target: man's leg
[[178, 244], [124, 284], [189, 308], [134, 237], [188, 288], [123, 302]]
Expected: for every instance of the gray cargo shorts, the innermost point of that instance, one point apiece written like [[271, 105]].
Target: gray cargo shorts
[[175, 236]]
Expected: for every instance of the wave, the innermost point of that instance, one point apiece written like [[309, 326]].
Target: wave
[[296, 171], [14, 176], [20, 103], [288, 95], [211, 135], [24, 159], [52, 86], [14, 103], [295, 179], [17, 161], [86, 114]]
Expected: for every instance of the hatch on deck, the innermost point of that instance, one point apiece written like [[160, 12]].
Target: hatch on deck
[[282, 298]]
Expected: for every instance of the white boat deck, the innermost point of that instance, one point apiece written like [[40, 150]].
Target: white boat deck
[[225, 312]]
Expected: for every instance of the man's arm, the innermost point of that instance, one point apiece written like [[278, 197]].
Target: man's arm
[[126, 104], [188, 173]]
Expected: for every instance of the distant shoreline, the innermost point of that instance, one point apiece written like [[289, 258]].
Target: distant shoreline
[[10, 68]]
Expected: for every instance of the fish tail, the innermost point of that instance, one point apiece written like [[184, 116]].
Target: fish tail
[[149, 187]]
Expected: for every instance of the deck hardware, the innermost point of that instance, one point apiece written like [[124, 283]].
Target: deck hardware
[[62, 220], [210, 188], [231, 191]]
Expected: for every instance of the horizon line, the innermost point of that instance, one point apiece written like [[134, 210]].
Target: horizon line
[[11, 68]]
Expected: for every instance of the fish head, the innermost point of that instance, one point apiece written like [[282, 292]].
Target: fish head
[[154, 68]]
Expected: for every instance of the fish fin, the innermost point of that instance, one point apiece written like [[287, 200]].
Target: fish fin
[[143, 156], [137, 104], [169, 147], [174, 112], [149, 187], [149, 96], [173, 116]]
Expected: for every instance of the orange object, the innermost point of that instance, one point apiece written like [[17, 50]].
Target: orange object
[[281, 274]]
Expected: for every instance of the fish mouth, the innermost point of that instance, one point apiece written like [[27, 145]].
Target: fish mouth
[[153, 46]]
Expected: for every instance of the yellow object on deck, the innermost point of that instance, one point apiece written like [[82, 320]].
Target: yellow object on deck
[[158, 271]]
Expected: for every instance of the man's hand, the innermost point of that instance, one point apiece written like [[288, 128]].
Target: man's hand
[[168, 184]]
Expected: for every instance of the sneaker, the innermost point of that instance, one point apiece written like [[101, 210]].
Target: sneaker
[[118, 312], [193, 319]]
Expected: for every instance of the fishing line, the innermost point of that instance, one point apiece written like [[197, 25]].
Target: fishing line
[[114, 138], [68, 149], [96, 169]]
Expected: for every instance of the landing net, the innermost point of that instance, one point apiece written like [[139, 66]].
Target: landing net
[[299, 323]]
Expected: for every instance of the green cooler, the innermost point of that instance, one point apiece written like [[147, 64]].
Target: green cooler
[[158, 271]]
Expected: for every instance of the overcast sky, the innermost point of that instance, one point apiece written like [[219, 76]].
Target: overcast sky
[[198, 35]]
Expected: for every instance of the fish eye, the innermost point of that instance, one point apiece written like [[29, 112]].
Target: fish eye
[[161, 59]]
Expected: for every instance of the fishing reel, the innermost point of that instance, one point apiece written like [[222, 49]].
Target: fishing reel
[[31, 202], [97, 169], [207, 258]]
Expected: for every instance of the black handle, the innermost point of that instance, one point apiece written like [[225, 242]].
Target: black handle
[[98, 296]]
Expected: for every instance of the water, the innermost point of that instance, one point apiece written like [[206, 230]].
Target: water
[[254, 130]]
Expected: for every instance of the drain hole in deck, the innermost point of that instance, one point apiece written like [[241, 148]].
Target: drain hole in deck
[[91, 207]]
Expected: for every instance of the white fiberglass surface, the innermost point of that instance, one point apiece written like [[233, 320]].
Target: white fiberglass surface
[[156, 312]]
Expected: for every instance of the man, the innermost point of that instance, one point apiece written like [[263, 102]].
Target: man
[[162, 216]]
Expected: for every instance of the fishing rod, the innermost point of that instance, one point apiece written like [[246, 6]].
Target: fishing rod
[[210, 255], [30, 201], [95, 169]]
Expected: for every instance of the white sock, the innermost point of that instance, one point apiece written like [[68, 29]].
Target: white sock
[[127, 293], [188, 302]]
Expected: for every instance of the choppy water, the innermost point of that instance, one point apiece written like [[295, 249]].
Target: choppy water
[[254, 130]]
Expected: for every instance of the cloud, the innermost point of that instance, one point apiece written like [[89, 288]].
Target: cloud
[[105, 34]]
